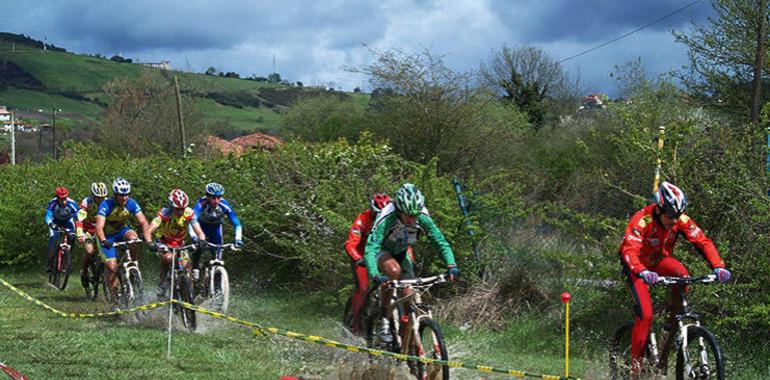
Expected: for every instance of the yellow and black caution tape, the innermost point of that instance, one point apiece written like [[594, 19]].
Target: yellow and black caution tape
[[331, 343], [259, 330], [82, 315]]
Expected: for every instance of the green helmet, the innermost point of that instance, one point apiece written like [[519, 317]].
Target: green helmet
[[409, 200]]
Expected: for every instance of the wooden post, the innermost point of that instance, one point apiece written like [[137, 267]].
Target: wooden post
[[179, 114], [53, 131], [13, 139]]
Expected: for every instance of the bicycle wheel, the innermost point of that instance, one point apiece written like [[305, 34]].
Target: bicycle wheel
[[185, 294], [430, 345], [347, 315], [125, 291], [92, 287], [64, 269], [702, 358], [220, 288], [137, 287], [620, 355]]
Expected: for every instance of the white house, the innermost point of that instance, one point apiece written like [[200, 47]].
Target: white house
[[5, 115]]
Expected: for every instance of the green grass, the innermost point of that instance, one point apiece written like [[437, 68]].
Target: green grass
[[43, 345], [34, 100], [245, 119]]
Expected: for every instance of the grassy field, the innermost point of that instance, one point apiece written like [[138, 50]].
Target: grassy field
[[42, 345]]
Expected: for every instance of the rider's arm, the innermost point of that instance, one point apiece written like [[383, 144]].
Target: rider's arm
[[150, 228], [146, 233], [695, 235], [374, 242], [100, 228], [438, 239], [234, 219], [82, 215], [48, 216], [355, 234], [196, 227], [632, 243]]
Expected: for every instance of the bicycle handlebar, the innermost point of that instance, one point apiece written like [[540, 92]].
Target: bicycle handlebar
[[400, 284], [165, 248], [127, 242], [669, 280], [228, 245], [64, 229]]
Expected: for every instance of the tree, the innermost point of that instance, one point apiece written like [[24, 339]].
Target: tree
[[526, 76], [211, 71], [274, 78], [426, 110], [142, 115], [325, 117], [722, 56]]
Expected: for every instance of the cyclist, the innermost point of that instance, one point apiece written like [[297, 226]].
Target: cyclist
[[60, 212], [86, 225], [355, 247], [397, 227], [112, 224], [210, 211], [171, 226], [646, 252]]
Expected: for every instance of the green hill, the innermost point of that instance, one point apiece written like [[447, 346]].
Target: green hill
[[35, 79]]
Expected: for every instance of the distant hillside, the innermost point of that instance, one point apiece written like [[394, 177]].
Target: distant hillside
[[34, 79]]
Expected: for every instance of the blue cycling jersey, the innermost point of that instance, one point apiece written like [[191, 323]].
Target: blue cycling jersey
[[61, 214], [117, 217], [209, 216]]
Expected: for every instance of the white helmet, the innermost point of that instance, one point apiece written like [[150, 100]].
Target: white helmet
[[121, 187]]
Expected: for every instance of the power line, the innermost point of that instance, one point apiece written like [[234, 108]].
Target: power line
[[631, 32]]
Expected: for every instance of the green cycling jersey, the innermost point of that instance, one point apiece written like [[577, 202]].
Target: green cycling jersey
[[391, 235]]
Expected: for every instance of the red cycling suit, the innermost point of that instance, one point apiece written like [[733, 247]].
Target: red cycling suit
[[648, 245], [355, 247]]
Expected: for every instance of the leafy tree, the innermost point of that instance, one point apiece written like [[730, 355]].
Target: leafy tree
[[274, 78], [211, 71], [526, 76], [722, 56], [324, 118]]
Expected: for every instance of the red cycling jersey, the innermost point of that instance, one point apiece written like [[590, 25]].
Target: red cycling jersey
[[646, 242], [360, 229]]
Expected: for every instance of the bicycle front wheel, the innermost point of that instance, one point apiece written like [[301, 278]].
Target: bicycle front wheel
[[431, 346], [701, 358], [64, 269], [185, 294], [220, 288]]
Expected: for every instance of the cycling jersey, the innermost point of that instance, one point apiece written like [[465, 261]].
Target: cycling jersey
[[63, 215], [87, 215], [356, 243], [211, 219], [390, 235], [646, 242], [117, 217], [172, 228]]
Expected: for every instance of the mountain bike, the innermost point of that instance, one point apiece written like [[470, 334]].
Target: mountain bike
[[59, 269], [181, 283], [94, 273], [412, 329], [698, 355], [130, 291], [214, 282]]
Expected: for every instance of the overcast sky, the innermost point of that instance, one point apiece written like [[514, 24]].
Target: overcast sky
[[312, 41]]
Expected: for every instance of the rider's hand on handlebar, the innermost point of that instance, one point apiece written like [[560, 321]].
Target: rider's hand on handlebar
[[238, 243], [380, 279], [723, 275], [106, 244], [152, 246], [453, 273], [360, 262], [648, 276], [202, 243], [53, 226]]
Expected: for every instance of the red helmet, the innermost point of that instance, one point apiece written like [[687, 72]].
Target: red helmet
[[379, 201], [62, 193], [178, 199]]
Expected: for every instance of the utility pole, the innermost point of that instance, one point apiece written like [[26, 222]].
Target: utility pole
[[273, 62], [179, 114], [53, 131], [759, 58], [13, 139]]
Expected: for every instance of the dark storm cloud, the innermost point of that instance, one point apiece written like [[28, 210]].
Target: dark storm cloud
[[595, 20]]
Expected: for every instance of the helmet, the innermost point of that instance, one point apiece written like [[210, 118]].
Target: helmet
[[671, 199], [121, 186], [177, 199], [99, 189], [378, 202], [409, 200], [215, 189], [62, 193]]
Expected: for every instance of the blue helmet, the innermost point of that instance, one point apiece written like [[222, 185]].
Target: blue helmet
[[215, 189]]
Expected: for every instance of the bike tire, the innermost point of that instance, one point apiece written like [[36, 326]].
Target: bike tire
[[431, 345], [695, 351], [220, 288], [185, 293], [53, 274], [137, 287], [64, 272], [94, 281], [347, 315], [125, 290]]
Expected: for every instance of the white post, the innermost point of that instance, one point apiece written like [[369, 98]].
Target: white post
[[13, 139], [171, 302]]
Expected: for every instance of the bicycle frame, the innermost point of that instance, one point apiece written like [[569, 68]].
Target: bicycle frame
[[210, 265], [417, 310], [126, 263]]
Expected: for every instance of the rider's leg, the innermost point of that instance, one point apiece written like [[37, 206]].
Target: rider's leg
[[88, 254], [643, 320], [53, 238], [134, 248], [361, 279], [109, 257], [670, 266]]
